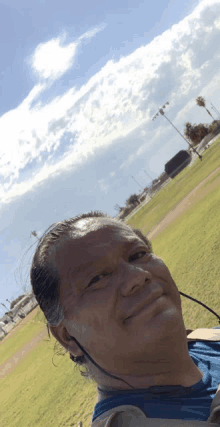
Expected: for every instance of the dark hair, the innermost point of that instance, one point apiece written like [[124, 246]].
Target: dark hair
[[44, 276]]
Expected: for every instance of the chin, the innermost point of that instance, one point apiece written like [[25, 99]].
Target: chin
[[167, 322]]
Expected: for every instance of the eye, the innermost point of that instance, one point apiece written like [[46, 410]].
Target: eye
[[97, 278], [137, 255]]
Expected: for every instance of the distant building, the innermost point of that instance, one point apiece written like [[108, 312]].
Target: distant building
[[2, 328], [178, 163], [163, 177], [6, 319], [22, 303], [20, 310]]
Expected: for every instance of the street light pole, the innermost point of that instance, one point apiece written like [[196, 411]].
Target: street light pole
[[215, 109], [137, 183], [148, 174], [8, 301], [5, 306], [163, 114]]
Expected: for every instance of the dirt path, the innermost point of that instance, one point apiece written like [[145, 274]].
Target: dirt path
[[7, 367], [183, 205]]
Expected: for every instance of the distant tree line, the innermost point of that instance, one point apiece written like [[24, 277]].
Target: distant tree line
[[14, 302], [197, 132]]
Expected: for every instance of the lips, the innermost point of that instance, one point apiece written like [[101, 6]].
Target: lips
[[153, 297]]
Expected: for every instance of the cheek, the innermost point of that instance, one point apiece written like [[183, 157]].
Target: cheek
[[175, 295], [94, 319], [165, 271], [94, 331], [170, 284], [89, 322]]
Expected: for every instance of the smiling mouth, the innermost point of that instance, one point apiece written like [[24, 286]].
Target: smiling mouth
[[146, 307]]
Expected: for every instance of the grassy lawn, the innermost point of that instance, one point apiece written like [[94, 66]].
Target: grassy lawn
[[190, 247], [37, 394], [168, 197], [15, 342]]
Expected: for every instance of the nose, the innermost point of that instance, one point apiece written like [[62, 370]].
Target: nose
[[132, 277]]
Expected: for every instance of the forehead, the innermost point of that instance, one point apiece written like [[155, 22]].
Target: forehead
[[92, 241], [100, 231], [91, 224]]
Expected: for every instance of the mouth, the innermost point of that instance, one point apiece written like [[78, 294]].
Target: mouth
[[148, 306]]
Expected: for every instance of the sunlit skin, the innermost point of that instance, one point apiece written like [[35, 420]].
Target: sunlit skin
[[107, 273]]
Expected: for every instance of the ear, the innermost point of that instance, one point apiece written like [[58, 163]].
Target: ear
[[61, 334]]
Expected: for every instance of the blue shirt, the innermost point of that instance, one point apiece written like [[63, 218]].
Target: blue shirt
[[186, 403]]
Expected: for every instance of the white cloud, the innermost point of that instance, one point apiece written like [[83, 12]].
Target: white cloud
[[91, 33], [115, 103], [52, 59]]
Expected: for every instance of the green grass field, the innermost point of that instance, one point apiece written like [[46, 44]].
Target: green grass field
[[166, 199], [36, 393], [39, 394], [12, 344], [190, 247]]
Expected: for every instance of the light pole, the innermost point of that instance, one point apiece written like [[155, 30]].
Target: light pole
[[160, 111], [148, 174], [138, 183], [5, 306], [215, 109]]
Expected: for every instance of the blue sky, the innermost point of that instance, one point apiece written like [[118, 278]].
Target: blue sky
[[79, 84]]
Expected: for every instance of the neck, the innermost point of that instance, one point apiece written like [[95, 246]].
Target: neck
[[176, 368], [187, 378]]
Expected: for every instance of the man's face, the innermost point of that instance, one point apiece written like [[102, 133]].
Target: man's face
[[107, 275]]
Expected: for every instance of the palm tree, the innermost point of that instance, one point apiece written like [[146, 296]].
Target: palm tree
[[201, 103], [33, 233], [188, 129]]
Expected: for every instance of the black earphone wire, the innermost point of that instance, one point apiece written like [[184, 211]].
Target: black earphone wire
[[120, 379], [203, 305], [97, 366]]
